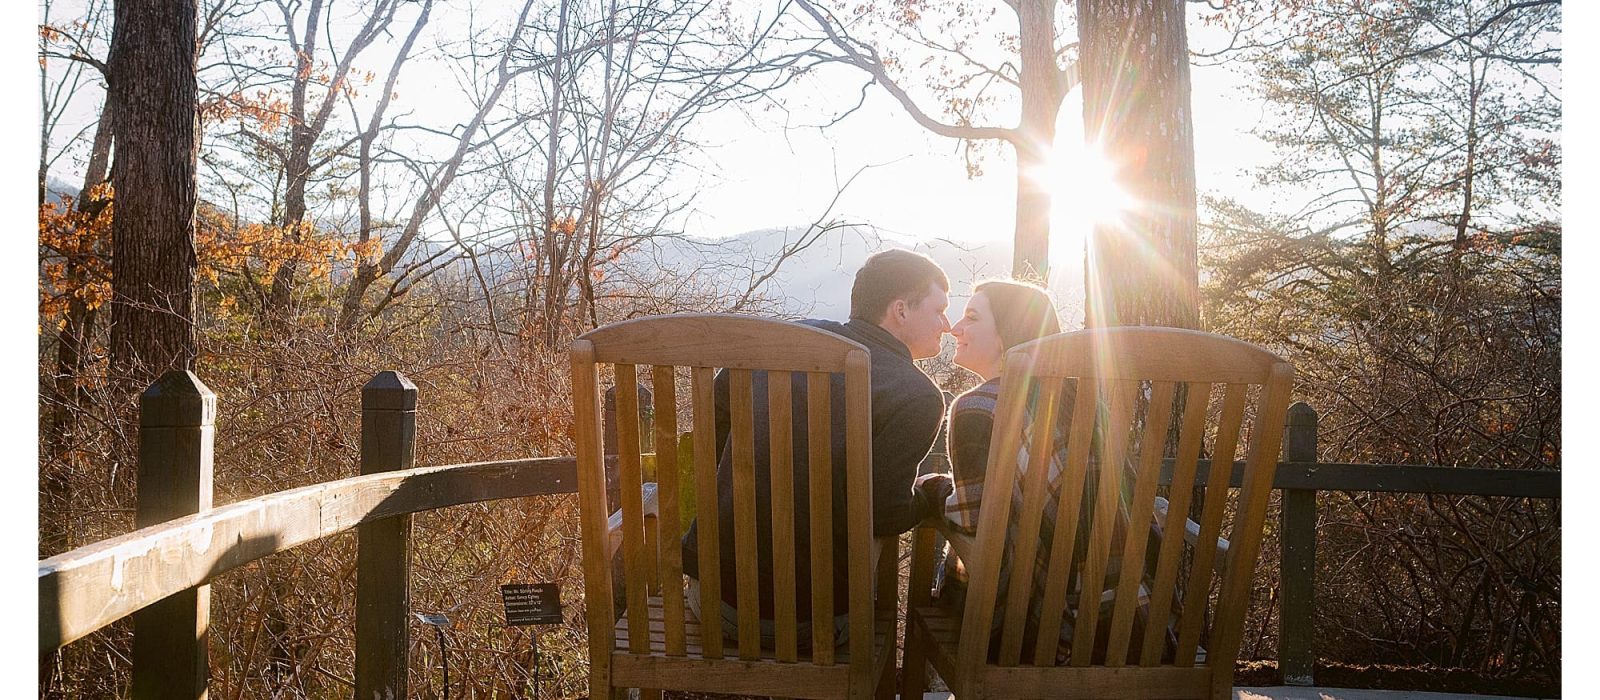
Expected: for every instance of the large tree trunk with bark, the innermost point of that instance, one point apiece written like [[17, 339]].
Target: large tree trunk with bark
[[1134, 62], [152, 94], [1041, 102]]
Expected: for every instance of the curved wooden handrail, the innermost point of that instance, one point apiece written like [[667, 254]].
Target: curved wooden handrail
[[90, 587], [1146, 352], [722, 340]]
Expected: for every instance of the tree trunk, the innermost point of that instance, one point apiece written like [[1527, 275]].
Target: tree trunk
[[72, 350], [152, 93], [1134, 61], [1041, 102], [297, 171], [1469, 171], [557, 235]]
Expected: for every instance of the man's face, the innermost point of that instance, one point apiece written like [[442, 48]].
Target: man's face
[[920, 323]]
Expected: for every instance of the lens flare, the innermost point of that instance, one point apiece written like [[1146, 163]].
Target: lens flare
[[1084, 186], [1084, 193]]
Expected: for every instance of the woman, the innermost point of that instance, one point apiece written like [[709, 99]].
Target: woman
[[999, 316]]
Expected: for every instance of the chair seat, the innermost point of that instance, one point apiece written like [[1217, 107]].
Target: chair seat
[[943, 628], [940, 631], [730, 674]]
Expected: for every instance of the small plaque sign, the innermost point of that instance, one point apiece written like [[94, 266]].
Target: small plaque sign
[[532, 603], [433, 619]]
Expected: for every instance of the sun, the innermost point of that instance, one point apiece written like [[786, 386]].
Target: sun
[[1084, 193]]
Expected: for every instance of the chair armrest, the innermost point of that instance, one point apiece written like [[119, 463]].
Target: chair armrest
[[961, 544], [652, 507], [1191, 530]]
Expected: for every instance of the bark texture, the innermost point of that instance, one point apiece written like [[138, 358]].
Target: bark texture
[[152, 94], [1135, 67], [1041, 102]]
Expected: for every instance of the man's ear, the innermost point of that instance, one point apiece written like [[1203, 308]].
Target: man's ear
[[897, 310]]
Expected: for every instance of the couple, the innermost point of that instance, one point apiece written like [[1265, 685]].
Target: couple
[[897, 310]]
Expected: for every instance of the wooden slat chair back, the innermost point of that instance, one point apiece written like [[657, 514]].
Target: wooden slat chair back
[[1118, 390], [657, 644]]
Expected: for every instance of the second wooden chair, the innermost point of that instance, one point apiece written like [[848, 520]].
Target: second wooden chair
[[1118, 397]]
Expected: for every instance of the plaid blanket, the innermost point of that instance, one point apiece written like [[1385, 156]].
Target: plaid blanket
[[971, 426]]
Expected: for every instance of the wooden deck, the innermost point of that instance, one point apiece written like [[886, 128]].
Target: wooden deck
[[1291, 693]]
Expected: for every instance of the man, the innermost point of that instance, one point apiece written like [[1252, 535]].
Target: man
[[897, 310]]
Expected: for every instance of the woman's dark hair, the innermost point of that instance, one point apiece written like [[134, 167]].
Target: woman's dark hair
[[1022, 311], [893, 274]]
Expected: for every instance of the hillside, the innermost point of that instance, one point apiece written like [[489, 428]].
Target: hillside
[[816, 281]]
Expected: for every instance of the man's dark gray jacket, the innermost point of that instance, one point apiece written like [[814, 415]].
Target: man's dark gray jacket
[[906, 411]]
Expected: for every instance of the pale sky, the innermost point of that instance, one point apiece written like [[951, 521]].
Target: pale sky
[[774, 176], [764, 168]]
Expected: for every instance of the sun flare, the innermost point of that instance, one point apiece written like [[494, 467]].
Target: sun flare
[[1083, 193]]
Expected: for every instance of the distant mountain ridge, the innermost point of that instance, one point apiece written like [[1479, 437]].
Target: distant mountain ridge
[[816, 281], [56, 188]]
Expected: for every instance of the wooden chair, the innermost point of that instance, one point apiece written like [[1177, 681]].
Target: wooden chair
[[656, 645], [1117, 372]]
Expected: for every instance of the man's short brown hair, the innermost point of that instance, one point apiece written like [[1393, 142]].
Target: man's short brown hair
[[889, 275]]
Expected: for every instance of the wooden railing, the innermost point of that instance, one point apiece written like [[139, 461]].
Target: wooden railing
[[1300, 476], [159, 574]]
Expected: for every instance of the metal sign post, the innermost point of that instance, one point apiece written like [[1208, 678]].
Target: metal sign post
[[439, 622], [532, 604]]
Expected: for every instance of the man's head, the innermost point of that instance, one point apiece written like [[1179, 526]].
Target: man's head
[[906, 294]]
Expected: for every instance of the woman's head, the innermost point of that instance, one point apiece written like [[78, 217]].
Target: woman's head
[[1000, 315]]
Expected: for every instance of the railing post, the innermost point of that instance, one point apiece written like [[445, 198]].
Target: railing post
[[1298, 566], [383, 584], [176, 417]]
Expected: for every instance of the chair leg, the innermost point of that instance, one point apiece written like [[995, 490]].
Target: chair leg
[[888, 601], [600, 687], [886, 688], [913, 670], [914, 664], [1222, 685]]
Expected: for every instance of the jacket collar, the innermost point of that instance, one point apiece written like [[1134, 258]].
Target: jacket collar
[[877, 334]]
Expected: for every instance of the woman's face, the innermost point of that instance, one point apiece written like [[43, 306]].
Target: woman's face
[[978, 346]]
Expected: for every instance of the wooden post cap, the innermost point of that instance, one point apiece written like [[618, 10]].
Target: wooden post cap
[[389, 391], [1300, 438], [1301, 413], [178, 398]]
